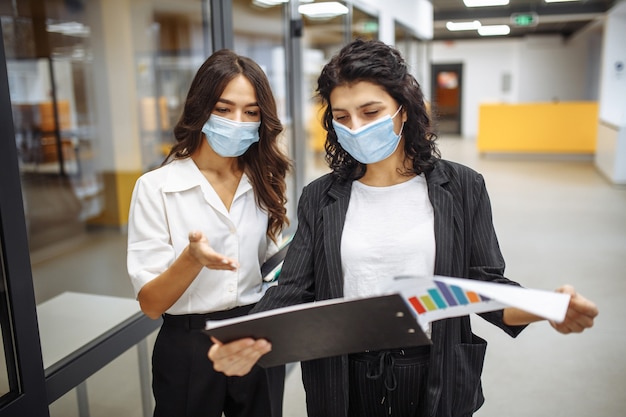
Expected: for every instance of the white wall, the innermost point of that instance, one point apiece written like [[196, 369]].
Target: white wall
[[551, 70], [611, 154], [541, 69], [485, 63], [613, 86]]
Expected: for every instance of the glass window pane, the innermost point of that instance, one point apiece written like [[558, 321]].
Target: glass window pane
[[323, 37], [69, 73], [415, 52], [364, 25], [168, 52], [258, 32], [96, 88]]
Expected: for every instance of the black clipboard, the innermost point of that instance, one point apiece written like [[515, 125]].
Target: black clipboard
[[326, 328]]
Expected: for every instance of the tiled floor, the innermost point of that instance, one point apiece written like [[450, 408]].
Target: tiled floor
[[558, 221]]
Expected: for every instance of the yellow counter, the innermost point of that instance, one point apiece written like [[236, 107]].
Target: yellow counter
[[562, 127]]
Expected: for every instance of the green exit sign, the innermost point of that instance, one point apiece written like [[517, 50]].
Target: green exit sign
[[524, 19]]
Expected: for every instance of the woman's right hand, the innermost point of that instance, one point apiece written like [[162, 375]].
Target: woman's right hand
[[238, 357]]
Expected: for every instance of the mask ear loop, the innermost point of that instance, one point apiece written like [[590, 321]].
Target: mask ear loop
[[401, 129], [396, 113]]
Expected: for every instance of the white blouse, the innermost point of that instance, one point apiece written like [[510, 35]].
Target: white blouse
[[389, 232], [173, 200]]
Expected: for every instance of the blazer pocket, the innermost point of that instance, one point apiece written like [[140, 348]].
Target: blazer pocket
[[469, 360]]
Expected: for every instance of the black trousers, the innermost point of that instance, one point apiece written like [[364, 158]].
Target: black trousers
[[185, 384], [389, 383]]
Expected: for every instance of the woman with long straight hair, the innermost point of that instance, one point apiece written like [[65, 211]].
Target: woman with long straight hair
[[200, 227]]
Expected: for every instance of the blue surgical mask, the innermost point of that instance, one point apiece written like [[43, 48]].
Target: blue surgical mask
[[229, 137], [370, 143]]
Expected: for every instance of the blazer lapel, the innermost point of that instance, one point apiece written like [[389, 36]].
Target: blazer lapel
[[442, 202], [443, 208], [333, 218]]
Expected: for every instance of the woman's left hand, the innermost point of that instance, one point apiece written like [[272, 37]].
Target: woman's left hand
[[203, 253], [580, 312]]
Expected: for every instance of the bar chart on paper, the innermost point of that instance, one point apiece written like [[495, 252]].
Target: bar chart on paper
[[436, 298], [444, 296], [433, 299]]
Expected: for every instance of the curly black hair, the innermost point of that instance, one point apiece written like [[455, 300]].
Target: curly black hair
[[383, 65]]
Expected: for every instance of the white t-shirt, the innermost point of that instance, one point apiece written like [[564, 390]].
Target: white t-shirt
[[389, 231], [173, 200]]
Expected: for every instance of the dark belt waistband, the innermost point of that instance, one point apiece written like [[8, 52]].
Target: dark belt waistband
[[198, 321], [410, 355]]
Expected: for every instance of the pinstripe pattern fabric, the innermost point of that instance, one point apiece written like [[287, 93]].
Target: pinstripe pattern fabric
[[466, 246]]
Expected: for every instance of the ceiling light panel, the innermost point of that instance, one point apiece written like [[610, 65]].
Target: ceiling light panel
[[455, 26], [324, 10], [494, 30], [485, 3]]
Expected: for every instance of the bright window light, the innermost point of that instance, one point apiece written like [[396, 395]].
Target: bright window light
[[494, 30], [324, 10], [558, 1], [454, 26], [485, 3], [268, 3], [69, 28]]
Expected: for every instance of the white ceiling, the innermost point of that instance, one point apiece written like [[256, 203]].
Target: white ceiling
[[564, 19]]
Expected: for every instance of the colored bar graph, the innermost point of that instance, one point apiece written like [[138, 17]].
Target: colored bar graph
[[428, 302], [417, 305], [473, 297], [444, 296], [459, 294], [436, 296], [446, 293]]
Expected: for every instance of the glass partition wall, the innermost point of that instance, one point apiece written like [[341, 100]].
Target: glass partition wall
[[416, 53], [260, 30], [323, 36], [49, 66], [95, 89], [95, 92]]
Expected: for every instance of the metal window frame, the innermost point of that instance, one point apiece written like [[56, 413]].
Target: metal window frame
[[31, 396]]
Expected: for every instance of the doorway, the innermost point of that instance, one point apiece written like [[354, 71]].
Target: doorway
[[447, 87]]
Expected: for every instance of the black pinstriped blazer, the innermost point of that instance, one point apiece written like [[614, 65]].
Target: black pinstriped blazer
[[466, 246]]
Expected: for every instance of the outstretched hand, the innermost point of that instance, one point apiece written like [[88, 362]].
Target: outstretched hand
[[238, 357], [580, 313], [202, 251]]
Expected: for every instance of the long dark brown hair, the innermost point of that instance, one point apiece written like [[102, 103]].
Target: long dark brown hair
[[264, 162], [380, 64]]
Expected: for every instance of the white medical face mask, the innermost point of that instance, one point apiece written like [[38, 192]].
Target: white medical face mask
[[370, 143], [230, 138]]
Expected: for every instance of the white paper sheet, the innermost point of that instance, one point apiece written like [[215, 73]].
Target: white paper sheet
[[436, 298]]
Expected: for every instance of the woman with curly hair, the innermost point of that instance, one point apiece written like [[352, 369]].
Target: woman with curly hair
[[389, 207]]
